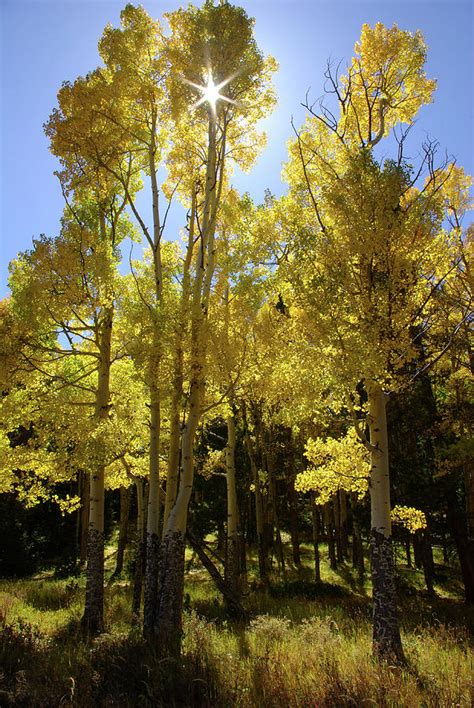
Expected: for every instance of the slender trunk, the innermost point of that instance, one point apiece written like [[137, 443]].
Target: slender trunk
[[428, 562], [338, 528], [294, 530], [465, 549], [153, 514], [418, 550], [408, 549], [221, 536], [357, 546], [344, 531], [444, 541], [468, 471], [169, 615], [123, 528], [231, 598], [273, 496], [85, 510], [177, 395], [386, 633], [78, 514], [233, 545], [317, 560], [329, 522], [139, 552], [93, 618], [261, 541]]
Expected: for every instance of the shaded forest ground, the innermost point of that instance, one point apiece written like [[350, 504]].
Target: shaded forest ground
[[304, 646]]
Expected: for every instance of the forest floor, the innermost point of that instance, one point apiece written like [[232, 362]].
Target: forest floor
[[304, 645]]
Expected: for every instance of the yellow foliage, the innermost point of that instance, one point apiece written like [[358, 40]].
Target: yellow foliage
[[335, 464], [409, 517]]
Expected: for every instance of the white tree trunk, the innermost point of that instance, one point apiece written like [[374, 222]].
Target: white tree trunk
[[386, 633]]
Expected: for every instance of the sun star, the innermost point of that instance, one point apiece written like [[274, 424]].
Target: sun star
[[210, 92]]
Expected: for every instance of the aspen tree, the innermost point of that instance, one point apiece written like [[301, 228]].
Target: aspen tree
[[220, 75], [135, 57], [371, 255]]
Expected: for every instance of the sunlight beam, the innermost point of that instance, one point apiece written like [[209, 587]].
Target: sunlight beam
[[210, 92]]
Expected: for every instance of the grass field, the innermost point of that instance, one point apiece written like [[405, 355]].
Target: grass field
[[304, 646]]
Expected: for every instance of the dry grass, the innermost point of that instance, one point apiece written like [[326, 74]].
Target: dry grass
[[301, 648]]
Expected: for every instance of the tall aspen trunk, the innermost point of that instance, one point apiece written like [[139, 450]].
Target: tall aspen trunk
[[338, 528], [259, 521], [93, 618], [171, 586], [408, 549], [293, 508], [177, 395], [464, 547], [169, 614], [329, 523], [317, 560], [357, 546], [139, 552], [358, 551], [232, 600], [153, 513], [123, 528], [428, 561], [418, 550], [444, 542], [386, 633], [273, 496], [343, 522], [469, 488], [233, 544], [465, 541], [85, 510]]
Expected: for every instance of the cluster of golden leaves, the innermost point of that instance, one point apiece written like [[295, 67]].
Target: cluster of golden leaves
[[336, 463], [412, 519]]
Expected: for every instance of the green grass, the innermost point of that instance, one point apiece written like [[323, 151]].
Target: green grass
[[302, 647]]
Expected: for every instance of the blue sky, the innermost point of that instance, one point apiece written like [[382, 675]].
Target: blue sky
[[45, 42]]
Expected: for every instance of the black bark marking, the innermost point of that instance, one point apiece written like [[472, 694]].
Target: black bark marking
[[93, 618], [169, 615], [386, 633], [151, 583]]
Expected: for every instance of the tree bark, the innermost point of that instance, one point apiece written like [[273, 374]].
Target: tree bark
[[85, 510], [139, 552], [261, 540], [408, 549], [428, 562], [123, 528], [232, 600], [418, 550], [177, 395], [169, 615], [344, 531], [93, 618], [338, 528], [233, 539], [465, 549], [169, 620], [357, 546], [386, 633], [329, 523], [269, 455], [294, 530], [317, 560], [153, 514]]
